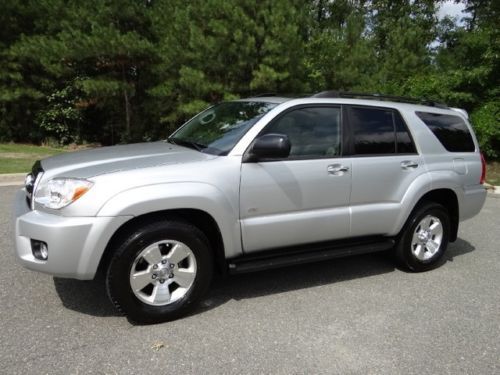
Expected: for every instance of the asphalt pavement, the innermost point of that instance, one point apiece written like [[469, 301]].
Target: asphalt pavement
[[359, 315]]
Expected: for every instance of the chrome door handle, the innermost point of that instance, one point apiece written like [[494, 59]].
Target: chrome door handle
[[337, 169], [408, 164]]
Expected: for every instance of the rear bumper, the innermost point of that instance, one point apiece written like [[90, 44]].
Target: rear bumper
[[75, 244], [473, 200]]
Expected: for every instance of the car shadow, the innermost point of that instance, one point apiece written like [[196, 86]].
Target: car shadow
[[89, 297], [457, 248]]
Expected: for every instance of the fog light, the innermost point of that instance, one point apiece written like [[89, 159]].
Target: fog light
[[40, 249]]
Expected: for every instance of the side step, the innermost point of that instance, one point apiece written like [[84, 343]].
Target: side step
[[306, 254]]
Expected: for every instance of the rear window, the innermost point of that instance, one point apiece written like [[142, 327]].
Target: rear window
[[450, 130]]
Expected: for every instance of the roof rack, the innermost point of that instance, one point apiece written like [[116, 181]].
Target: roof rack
[[402, 99], [264, 94]]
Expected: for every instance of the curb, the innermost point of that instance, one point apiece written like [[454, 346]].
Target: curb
[[493, 190], [12, 179], [494, 193]]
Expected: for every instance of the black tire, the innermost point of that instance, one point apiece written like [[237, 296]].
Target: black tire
[[403, 249], [118, 272]]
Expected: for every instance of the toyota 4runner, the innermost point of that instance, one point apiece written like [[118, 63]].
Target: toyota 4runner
[[253, 184]]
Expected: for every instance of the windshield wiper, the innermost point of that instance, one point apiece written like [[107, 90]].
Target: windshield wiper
[[191, 144]]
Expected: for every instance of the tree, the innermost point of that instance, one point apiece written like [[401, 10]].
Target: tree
[[131, 70], [97, 52], [20, 82], [339, 55], [213, 50], [464, 72], [402, 33]]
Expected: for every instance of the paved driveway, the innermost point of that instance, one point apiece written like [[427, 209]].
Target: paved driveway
[[355, 315]]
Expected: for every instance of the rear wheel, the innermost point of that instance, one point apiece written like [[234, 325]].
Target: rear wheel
[[424, 238], [160, 271]]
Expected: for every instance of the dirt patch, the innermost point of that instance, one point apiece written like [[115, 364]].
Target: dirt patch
[[23, 155]]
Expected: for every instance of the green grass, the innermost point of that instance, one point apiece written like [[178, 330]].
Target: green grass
[[10, 165], [19, 158], [29, 149]]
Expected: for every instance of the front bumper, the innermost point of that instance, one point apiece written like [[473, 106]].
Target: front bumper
[[76, 244]]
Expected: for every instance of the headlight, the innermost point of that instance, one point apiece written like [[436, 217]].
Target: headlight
[[59, 192]]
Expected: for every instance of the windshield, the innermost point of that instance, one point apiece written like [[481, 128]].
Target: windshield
[[218, 129]]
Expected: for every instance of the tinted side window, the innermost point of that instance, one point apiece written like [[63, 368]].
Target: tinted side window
[[404, 143], [313, 131], [451, 131], [373, 130]]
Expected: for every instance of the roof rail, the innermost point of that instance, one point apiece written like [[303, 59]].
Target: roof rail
[[461, 111], [402, 99], [264, 94]]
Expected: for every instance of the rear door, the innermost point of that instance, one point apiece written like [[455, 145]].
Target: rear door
[[305, 197], [384, 164]]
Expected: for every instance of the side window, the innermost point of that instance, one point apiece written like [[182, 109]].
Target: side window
[[373, 130], [404, 143], [314, 132], [379, 131], [450, 130]]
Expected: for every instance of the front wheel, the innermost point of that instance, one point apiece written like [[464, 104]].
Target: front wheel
[[424, 239], [160, 271]]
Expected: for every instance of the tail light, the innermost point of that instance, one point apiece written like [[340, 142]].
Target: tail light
[[483, 170]]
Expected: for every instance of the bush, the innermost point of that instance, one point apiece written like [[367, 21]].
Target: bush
[[486, 123]]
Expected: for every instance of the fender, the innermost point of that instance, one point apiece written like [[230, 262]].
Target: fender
[[181, 195], [422, 185], [447, 180]]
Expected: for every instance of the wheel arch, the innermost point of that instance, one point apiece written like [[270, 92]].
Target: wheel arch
[[449, 200], [199, 218]]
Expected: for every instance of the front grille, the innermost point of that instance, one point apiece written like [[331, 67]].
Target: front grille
[[31, 181]]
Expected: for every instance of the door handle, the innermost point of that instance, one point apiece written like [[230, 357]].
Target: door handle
[[337, 169], [408, 164]]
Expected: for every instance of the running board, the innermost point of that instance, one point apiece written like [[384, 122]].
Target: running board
[[306, 254]]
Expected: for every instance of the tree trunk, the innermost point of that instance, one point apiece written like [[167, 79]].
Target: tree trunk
[[127, 105]]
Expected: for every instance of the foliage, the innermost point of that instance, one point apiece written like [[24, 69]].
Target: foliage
[[131, 70], [61, 118], [485, 120]]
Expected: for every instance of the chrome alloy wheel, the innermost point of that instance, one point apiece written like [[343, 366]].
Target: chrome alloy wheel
[[427, 238], [163, 272]]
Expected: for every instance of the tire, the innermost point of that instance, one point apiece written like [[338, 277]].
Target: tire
[[424, 239], [176, 259]]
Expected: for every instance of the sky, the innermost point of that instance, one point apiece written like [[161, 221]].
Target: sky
[[449, 8]]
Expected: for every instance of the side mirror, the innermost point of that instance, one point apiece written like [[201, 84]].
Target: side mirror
[[269, 146]]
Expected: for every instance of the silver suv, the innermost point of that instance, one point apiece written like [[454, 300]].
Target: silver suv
[[248, 185]]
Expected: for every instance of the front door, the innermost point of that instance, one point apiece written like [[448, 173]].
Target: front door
[[304, 198]]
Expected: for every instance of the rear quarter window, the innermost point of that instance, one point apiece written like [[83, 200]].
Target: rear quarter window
[[450, 130]]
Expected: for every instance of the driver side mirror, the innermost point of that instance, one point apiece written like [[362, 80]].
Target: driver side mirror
[[269, 146]]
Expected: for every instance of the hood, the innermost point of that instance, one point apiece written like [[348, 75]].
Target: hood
[[90, 163]]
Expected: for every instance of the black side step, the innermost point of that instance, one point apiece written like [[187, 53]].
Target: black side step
[[308, 254]]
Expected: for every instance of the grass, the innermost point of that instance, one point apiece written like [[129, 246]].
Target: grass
[[19, 158]]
